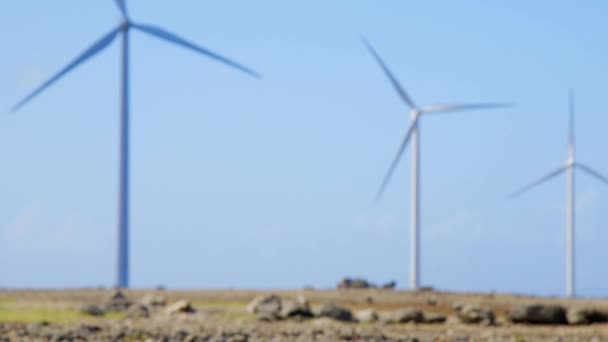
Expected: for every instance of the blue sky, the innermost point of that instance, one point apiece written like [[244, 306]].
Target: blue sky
[[270, 184]]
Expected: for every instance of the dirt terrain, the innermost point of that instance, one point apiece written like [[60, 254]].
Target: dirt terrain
[[222, 315]]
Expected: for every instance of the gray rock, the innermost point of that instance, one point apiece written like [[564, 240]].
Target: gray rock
[[405, 316], [433, 318], [138, 311], [153, 300], [331, 310], [267, 316], [117, 302], [266, 304], [356, 283], [89, 329], [361, 284], [390, 285], [538, 314], [578, 316], [345, 283], [474, 314], [298, 309], [92, 310], [181, 306], [366, 316]]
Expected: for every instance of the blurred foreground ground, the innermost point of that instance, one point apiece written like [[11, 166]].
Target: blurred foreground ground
[[221, 315]]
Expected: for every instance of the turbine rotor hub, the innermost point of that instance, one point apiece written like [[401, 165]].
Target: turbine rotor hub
[[414, 113], [570, 162], [125, 24]]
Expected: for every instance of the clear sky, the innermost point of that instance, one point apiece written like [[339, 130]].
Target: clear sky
[[270, 184]]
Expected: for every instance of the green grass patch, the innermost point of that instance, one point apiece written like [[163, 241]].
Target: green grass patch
[[11, 312], [220, 305], [34, 315]]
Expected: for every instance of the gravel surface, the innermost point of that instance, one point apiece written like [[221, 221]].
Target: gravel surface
[[223, 316]]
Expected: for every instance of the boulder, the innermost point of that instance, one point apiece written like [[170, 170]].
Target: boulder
[[356, 283], [153, 300], [267, 316], [474, 314], [360, 284], [345, 283], [390, 285], [92, 310], [117, 302], [333, 311], [266, 303], [181, 306], [405, 316], [367, 316], [538, 314], [433, 318], [138, 311], [298, 309], [578, 316]]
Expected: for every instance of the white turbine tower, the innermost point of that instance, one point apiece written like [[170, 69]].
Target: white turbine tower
[[568, 167], [123, 30], [412, 134]]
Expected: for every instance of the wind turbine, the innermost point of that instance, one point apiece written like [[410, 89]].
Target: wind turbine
[[412, 133], [123, 30], [569, 168]]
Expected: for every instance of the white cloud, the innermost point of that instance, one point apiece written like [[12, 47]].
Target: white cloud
[[462, 224], [36, 228], [382, 223], [20, 226]]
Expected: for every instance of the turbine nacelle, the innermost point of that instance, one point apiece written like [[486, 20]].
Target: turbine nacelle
[[415, 113], [125, 24], [570, 162]]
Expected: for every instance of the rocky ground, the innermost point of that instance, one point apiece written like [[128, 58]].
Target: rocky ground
[[372, 314]]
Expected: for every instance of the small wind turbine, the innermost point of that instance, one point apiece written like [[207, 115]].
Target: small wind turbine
[[412, 133], [123, 30], [568, 167]]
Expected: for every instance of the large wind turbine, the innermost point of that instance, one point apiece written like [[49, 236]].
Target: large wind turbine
[[569, 168], [123, 30], [412, 134]]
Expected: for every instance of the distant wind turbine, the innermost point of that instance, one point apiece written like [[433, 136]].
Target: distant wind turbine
[[568, 167], [98, 46], [412, 133]]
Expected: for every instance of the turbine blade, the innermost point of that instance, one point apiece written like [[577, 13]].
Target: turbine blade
[[122, 6], [462, 107], [88, 53], [539, 181], [592, 172], [402, 93], [404, 142], [170, 37]]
